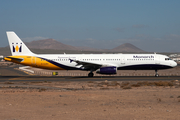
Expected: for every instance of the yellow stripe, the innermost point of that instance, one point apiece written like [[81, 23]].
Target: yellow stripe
[[34, 62]]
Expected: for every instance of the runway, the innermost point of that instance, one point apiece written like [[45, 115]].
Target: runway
[[78, 79], [12, 74]]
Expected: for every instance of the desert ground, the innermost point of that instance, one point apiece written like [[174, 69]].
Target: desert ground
[[99, 100]]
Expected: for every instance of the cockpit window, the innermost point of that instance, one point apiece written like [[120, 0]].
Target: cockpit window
[[167, 58]]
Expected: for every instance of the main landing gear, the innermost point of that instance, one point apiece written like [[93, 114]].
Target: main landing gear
[[91, 74], [156, 75]]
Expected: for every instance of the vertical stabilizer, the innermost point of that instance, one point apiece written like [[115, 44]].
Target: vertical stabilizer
[[17, 47]]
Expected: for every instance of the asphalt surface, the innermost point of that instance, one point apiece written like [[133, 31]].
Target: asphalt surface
[[11, 71], [109, 78], [11, 74]]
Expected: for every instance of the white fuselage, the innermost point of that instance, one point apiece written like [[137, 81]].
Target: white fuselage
[[121, 61]]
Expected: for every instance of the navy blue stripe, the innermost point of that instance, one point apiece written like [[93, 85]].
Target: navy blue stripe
[[145, 67], [60, 65], [130, 67]]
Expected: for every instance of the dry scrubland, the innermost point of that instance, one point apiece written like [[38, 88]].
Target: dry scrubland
[[107, 100]]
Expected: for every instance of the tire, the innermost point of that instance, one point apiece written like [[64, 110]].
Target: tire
[[156, 75], [90, 75]]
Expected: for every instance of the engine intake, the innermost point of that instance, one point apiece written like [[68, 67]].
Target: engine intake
[[107, 70]]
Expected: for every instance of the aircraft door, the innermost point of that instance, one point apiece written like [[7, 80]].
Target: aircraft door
[[157, 59], [123, 61], [33, 60]]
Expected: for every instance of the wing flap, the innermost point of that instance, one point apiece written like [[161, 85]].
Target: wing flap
[[90, 65], [86, 65]]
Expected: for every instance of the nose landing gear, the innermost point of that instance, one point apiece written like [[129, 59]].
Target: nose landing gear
[[156, 75]]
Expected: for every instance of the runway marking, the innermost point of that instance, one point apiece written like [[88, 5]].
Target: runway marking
[[111, 78], [25, 78], [17, 78], [46, 78]]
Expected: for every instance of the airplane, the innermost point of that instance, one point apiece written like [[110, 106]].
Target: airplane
[[99, 63]]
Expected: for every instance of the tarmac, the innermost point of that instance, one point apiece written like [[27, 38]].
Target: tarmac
[[78, 79], [13, 74]]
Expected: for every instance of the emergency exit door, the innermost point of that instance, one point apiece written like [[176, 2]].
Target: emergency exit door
[[122, 60]]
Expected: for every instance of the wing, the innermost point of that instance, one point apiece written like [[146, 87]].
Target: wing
[[89, 65], [86, 65]]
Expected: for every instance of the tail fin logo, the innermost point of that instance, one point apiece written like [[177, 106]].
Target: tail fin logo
[[17, 47]]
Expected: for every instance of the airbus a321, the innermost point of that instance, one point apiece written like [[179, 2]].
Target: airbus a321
[[99, 63]]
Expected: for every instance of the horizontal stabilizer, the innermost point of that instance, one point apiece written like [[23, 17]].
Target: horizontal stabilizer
[[14, 59]]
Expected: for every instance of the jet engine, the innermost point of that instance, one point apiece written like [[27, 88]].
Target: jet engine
[[107, 70]]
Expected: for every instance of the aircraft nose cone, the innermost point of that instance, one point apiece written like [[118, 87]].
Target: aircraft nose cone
[[174, 64]]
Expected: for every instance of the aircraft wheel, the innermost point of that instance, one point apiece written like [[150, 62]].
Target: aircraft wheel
[[90, 75], [157, 75]]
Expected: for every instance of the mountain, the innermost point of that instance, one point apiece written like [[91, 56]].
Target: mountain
[[89, 49], [50, 44], [5, 51], [56, 45], [127, 47]]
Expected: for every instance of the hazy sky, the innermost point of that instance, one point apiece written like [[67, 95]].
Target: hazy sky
[[151, 25]]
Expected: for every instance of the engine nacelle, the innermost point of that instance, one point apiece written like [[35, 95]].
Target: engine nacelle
[[107, 70]]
